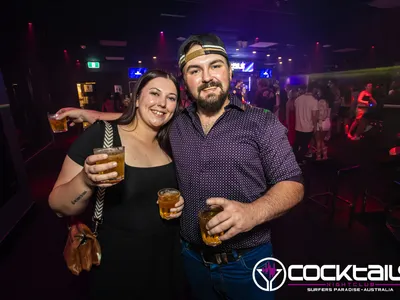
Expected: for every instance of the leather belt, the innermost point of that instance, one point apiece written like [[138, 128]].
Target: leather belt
[[211, 256]]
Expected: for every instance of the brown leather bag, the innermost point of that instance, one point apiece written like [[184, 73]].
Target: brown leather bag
[[82, 249]]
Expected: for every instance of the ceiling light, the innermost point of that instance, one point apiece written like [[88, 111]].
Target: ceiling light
[[268, 55], [139, 62], [254, 52]]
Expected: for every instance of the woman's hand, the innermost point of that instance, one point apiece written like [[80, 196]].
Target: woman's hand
[[177, 211], [91, 171], [77, 115]]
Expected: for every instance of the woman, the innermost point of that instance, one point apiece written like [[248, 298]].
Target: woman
[[364, 101], [140, 251], [323, 127]]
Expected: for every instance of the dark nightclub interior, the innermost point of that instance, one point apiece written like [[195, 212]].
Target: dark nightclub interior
[[328, 70]]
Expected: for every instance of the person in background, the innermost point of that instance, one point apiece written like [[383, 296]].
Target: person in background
[[291, 115], [239, 90], [284, 98], [364, 101], [118, 105], [306, 110], [265, 95], [108, 104], [126, 102], [323, 127]]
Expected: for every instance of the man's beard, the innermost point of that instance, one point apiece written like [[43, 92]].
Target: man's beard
[[212, 103]]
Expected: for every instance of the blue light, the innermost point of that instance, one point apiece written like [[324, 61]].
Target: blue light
[[242, 67], [249, 68], [266, 73], [134, 73]]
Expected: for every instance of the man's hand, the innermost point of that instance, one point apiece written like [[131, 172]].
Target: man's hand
[[236, 218], [77, 115]]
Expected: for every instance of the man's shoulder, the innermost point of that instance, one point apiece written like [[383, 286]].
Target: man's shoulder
[[259, 114]]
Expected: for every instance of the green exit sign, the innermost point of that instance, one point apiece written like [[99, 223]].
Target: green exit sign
[[93, 65]]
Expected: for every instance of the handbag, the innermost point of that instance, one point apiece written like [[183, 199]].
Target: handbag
[[82, 249]]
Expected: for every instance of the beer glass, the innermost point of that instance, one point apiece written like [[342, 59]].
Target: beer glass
[[57, 125], [116, 154], [167, 198], [205, 216], [85, 124]]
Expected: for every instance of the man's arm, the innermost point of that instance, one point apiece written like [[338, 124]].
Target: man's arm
[[277, 201], [283, 175], [78, 115]]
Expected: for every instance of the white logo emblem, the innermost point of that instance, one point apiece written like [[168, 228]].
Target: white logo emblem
[[269, 270]]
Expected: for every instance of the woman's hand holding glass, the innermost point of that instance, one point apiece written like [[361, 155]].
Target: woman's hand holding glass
[[176, 211], [92, 171]]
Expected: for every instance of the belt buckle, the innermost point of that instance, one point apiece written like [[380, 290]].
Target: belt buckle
[[220, 258]]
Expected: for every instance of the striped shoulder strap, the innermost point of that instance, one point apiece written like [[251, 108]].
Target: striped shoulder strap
[[98, 210]]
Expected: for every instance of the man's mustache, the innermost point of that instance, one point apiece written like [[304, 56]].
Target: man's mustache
[[208, 85]]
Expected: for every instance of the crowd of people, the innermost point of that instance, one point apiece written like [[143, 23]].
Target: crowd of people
[[313, 113]]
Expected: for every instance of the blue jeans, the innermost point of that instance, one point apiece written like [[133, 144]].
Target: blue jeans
[[231, 281]]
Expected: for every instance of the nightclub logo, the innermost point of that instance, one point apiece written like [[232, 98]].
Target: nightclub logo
[[269, 274]]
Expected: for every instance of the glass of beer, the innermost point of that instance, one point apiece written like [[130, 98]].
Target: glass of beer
[[57, 125], [167, 198], [205, 216], [116, 154], [85, 124]]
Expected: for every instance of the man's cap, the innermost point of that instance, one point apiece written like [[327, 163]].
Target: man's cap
[[210, 43]]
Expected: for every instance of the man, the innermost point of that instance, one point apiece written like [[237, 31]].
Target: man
[[236, 158], [306, 112]]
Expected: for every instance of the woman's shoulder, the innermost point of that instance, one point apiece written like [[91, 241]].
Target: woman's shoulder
[[84, 144]]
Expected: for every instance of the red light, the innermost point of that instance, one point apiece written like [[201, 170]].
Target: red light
[[30, 24], [317, 43], [162, 32], [65, 51], [373, 47], [77, 60]]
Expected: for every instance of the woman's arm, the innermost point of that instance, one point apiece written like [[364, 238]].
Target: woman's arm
[[75, 184], [71, 193]]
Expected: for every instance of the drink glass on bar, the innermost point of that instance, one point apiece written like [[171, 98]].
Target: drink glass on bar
[[116, 154], [57, 125], [85, 124], [167, 198], [205, 216]]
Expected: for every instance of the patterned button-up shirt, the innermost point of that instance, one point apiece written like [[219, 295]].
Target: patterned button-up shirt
[[245, 153]]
